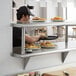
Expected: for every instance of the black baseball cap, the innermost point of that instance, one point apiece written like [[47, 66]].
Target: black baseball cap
[[24, 10]]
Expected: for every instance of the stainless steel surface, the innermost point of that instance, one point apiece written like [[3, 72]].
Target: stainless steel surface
[[46, 23], [66, 36], [23, 41], [60, 48]]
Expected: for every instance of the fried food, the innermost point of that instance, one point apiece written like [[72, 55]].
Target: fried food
[[31, 46], [38, 18], [47, 44], [57, 18]]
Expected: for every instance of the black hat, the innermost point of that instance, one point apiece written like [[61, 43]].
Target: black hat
[[24, 10]]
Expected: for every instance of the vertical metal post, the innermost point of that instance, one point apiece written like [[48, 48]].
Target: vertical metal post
[[23, 41], [59, 31], [66, 14], [66, 36]]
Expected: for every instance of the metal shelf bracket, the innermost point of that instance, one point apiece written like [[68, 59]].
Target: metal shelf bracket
[[25, 61], [63, 56]]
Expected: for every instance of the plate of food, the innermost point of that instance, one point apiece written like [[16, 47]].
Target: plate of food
[[47, 44], [57, 19], [32, 46], [38, 19]]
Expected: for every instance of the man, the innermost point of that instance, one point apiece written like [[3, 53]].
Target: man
[[23, 16]]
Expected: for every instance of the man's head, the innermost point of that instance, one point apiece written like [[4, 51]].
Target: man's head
[[24, 13]]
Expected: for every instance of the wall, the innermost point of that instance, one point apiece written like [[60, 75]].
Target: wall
[[12, 65], [5, 32]]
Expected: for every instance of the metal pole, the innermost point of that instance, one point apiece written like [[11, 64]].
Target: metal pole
[[23, 41], [66, 36]]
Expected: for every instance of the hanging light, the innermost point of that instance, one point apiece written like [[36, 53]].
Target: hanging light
[[55, 4], [70, 0], [59, 0], [37, 0], [43, 3], [64, 3], [75, 3]]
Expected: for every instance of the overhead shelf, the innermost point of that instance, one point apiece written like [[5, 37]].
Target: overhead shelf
[[62, 47], [46, 23]]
